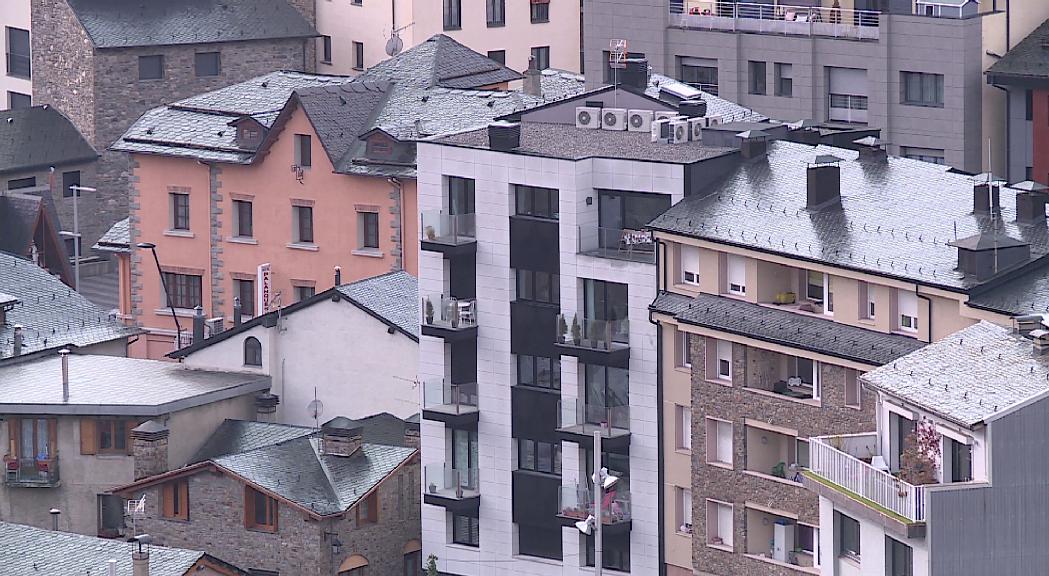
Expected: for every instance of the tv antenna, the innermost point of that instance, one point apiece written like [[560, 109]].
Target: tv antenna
[[315, 408]]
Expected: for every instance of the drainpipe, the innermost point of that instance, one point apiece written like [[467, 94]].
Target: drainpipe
[[928, 301], [661, 469]]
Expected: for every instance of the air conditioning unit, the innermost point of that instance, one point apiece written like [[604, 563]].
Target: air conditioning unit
[[660, 129], [214, 326], [613, 119], [710, 121], [679, 131], [587, 117], [639, 120], [661, 114], [695, 129]]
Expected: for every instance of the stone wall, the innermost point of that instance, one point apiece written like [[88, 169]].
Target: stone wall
[[63, 64], [736, 403]]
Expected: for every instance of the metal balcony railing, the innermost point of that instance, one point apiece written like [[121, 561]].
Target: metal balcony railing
[[31, 471], [775, 19], [617, 243]]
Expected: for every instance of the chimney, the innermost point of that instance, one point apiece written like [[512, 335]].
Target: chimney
[[823, 181], [635, 74], [986, 194], [754, 144], [266, 406], [149, 442], [338, 276], [870, 148], [198, 324], [504, 136], [64, 354], [1027, 323], [411, 435], [985, 254], [1030, 207], [1040, 338], [238, 312], [533, 79], [111, 567], [341, 436], [17, 349], [692, 108], [140, 555]]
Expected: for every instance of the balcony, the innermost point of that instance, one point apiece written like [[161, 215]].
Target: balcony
[[453, 404], [602, 342], [454, 319], [31, 473], [617, 244], [575, 503], [450, 234], [577, 421], [780, 19], [841, 469], [451, 488]]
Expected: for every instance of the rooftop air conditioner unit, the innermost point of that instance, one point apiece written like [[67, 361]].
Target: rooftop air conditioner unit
[[661, 114], [695, 129], [711, 121], [587, 117], [660, 130], [678, 131], [639, 120], [613, 119]]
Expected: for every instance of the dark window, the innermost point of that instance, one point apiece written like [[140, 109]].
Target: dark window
[[357, 2], [920, 89], [413, 563], [245, 290], [1029, 105], [19, 61], [466, 530], [74, 247], [150, 67], [303, 224], [113, 435], [702, 74], [304, 293], [460, 196], [541, 55], [17, 100], [496, 13], [606, 301], [900, 558], [784, 79], [615, 553], [303, 150], [541, 541], [498, 55], [20, 183], [606, 388], [961, 462], [207, 64], [358, 55], [326, 49], [539, 371], [369, 222], [368, 509], [540, 11], [756, 77], [179, 211], [622, 219], [174, 498], [260, 511], [183, 290], [242, 218], [848, 535], [70, 179], [538, 286], [453, 14], [538, 202], [539, 456]]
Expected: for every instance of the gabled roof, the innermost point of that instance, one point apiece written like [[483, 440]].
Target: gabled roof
[[1027, 63], [128, 23], [116, 239], [340, 114], [234, 436], [45, 138], [442, 61]]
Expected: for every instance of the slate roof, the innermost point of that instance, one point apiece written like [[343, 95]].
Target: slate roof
[[116, 239], [1028, 60], [658, 85], [384, 428], [341, 113], [19, 215], [895, 220], [565, 141], [234, 436], [27, 550], [442, 61], [1026, 292], [787, 328], [127, 23], [52, 314], [45, 138], [116, 385], [969, 376], [393, 297]]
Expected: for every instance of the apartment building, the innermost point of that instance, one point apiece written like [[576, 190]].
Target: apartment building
[[357, 35], [911, 69], [16, 81], [952, 466]]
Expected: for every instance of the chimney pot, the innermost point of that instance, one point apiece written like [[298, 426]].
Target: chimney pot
[[338, 276], [823, 182], [17, 349], [140, 563], [266, 406], [64, 355], [238, 311], [198, 324], [533, 79]]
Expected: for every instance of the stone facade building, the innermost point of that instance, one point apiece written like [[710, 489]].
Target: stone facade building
[[104, 64]]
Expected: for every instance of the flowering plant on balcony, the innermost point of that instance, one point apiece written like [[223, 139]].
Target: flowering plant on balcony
[[921, 454]]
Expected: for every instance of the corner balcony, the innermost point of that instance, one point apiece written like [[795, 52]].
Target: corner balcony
[[450, 234], [602, 342], [453, 404], [575, 503], [777, 19], [617, 244], [454, 319], [452, 488], [577, 421], [31, 473], [847, 470]]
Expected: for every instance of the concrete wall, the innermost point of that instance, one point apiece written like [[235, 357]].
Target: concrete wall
[[15, 15], [366, 22], [873, 544]]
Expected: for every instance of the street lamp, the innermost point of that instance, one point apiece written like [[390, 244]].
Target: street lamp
[[76, 189], [592, 525], [167, 295]]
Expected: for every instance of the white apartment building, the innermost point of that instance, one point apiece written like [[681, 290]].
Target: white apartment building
[[16, 85]]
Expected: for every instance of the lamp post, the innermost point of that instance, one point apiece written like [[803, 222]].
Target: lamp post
[[77, 189], [167, 295], [592, 525]]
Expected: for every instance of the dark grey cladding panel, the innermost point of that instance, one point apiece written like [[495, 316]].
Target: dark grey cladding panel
[[534, 244]]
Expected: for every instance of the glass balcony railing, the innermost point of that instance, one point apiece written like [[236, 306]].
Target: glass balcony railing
[[447, 482], [31, 472], [776, 18], [450, 398], [617, 243], [452, 229], [579, 417], [447, 312], [577, 503], [581, 332]]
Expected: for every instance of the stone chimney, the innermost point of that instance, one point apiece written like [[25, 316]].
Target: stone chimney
[[18, 339], [341, 436], [823, 182], [150, 448], [986, 194], [533, 79], [266, 407], [411, 435]]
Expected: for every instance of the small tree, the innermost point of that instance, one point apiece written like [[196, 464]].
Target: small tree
[[431, 565], [562, 327], [429, 311], [921, 454], [577, 332]]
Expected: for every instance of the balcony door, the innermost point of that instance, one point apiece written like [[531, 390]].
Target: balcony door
[[464, 456], [606, 388], [606, 302], [899, 429], [35, 443], [620, 213], [461, 203]]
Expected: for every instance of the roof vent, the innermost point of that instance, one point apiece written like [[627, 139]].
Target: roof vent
[[504, 136], [1030, 201], [754, 144], [341, 436], [985, 254], [870, 148], [986, 196], [1040, 338], [692, 108], [823, 181]]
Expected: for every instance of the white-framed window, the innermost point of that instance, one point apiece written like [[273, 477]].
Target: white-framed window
[[719, 441], [801, 452], [719, 523], [807, 541], [689, 264], [866, 300], [804, 373], [736, 274], [852, 389], [683, 344], [723, 359], [683, 427], [684, 509], [907, 306]]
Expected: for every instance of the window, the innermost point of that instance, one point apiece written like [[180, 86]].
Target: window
[[540, 541], [252, 351], [924, 154], [784, 79], [684, 510], [807, 541], [866, 300], [245, 290], [17, 100], [206, 64], [304, 293], [498, 55], [536, 202], [70, 179], [358, 55], [113, 436], [260, 511], [921, 89], [723, 370], [496, 13], [756, 77], [814, 286], [74, 246], [242, 227], [900, 558], [848, 535], [719, 524], [539, 456], [466, 530], [453, 14], [151, 67], [961, 465], [801, 454], [736, 267], [33, 440], [174, 496], [700, 73], [539, 371], [541, 54], [110, 515], [907, 305], [368, 226], [853, 391], [683, 426], [179, 211], [184, 290], [326, 49], [847, 95], [303, 150], [19, 60], [540, 11], [368, 509], [719, 442], [460, 195], [413, 563], [536, 286], [683, 343], [19, 183], [689, 259], [302, 224], [1029, 105]]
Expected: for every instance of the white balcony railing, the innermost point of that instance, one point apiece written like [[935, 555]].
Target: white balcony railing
[[830, 459], [775, 18]]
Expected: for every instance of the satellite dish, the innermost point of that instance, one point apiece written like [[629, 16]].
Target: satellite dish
[[315, 408], [394, 45]]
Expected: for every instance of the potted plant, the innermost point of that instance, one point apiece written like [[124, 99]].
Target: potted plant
[[432, 487], [780, 470], [431, 565], [429, 310], [562, 329], [431, 235], [920, 457], [577, 332], [453, 313]]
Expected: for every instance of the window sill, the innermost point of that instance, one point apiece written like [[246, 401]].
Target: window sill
[[540, 560], [368, 253], [683, 451], [687, 288], [867, 321], [921, 105], [261, 529], [904, 332], [683, 534], [722, 465], [309, 247], [806, 401], [851, 559], [806, 570], [118, 455], [452, 28], [541, 21], [772, 478], [180, 312], [466, 547], [719, 382], [358, 68], [683, 369], [497, 24], [722, 547], [328, 62], [242, 240], [544, 390], [175, 520], [180, 233]]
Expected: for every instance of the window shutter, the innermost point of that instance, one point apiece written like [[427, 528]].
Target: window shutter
[[183, 488], [88, 436], [12, 435], [167, 502], [128, 444], [52, 437], [273, 511], [249, 505]]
